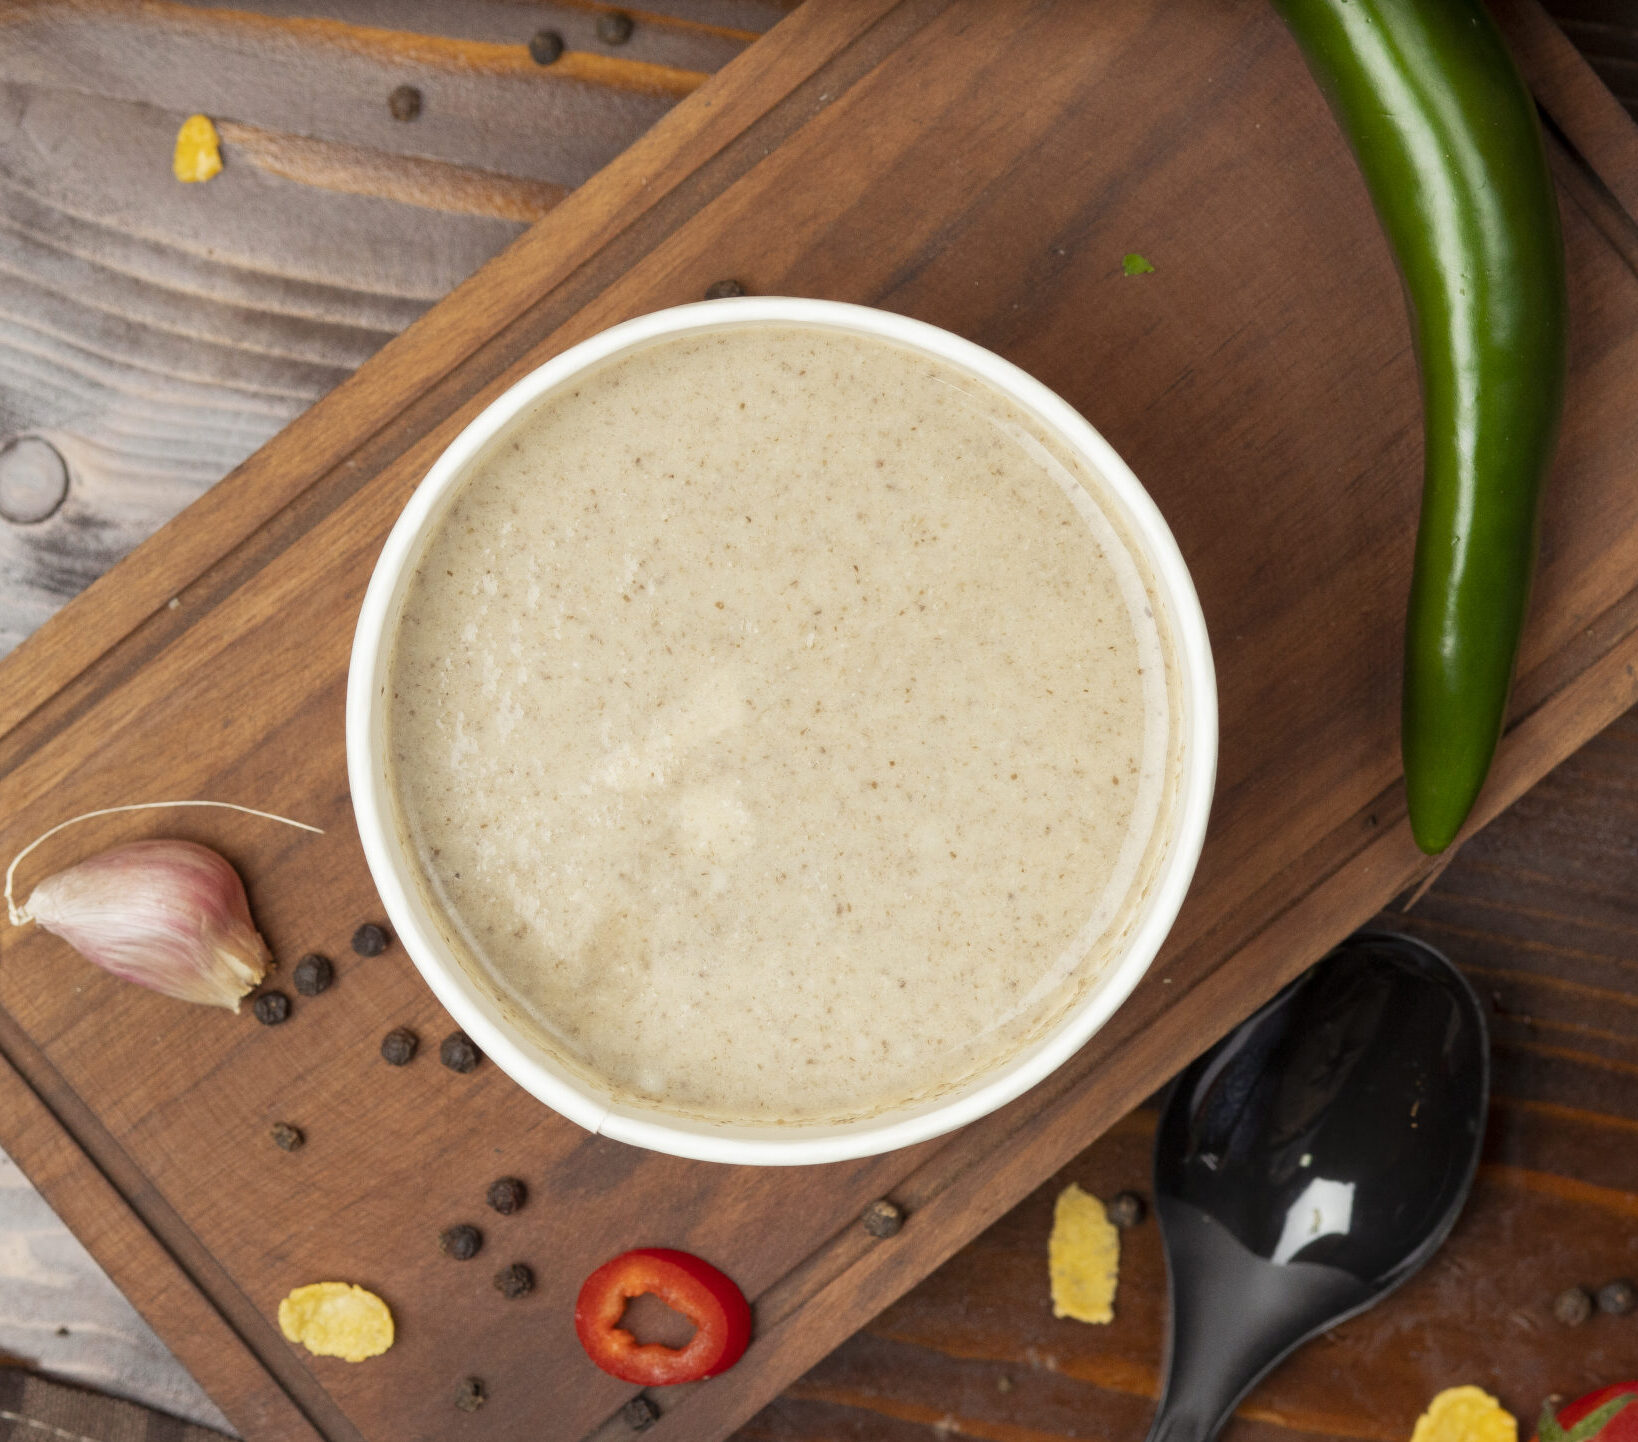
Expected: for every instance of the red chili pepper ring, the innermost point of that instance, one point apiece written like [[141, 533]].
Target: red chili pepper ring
[[709, 1299]]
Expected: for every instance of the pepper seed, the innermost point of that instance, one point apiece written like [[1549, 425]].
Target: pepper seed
[[614, 27], [640, 1413], [514, 1281], [507, 1194], [271, 1007], [883, 1218], [545, 47], [462, 1242], [723, 289], [471, 1394], [1617, 1297], [398, 1046], [370, 939], [404, 103], [313, 974], [1127, 1209], [1573, 1306], [458, 1053], [286, 1137]]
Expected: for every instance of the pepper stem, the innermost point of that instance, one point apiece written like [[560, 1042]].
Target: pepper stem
[[19, 914]]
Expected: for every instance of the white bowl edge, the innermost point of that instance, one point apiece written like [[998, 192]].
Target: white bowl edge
[[478, 1014]]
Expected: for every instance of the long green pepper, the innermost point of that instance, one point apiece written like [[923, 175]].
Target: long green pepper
[[1446, 135]]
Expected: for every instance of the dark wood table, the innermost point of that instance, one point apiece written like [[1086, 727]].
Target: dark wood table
[[150, 340]]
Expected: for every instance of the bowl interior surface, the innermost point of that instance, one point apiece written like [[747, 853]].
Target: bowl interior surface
[[486, 1017]]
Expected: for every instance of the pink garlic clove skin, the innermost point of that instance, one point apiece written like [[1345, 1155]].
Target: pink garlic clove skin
[[168, 915]]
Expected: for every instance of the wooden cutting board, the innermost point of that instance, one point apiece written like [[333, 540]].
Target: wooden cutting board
[[977, 164]]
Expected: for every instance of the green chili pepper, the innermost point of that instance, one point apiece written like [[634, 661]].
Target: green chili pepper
[[1446, 135]]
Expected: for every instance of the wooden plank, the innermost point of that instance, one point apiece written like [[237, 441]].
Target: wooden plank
[[156, 334], [1256, 381], [98, 1214], [653, 182], [483, 103]]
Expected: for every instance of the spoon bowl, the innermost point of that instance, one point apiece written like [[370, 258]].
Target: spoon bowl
[[1311, 1162]]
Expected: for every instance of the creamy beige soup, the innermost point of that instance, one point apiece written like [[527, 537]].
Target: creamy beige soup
[[782, 725]]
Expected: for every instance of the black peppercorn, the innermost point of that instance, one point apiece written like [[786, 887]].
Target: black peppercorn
[[398, 1046], [1573, 1306], [507, 1195], [462, 1242], [370, 939], [640, 1413], [514, 1281], [458, 1053], [313, 974], [883, 1218], [286, 1137], [1617, 1297], [404, 103], [723, 289], [271, 1007], [1127, 1209], [614, 27], [471, 1394], [545, 47]]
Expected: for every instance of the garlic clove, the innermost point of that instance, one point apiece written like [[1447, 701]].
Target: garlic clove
[[169, 915]]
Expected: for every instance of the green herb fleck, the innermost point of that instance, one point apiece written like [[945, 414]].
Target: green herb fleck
[[1135, 264]]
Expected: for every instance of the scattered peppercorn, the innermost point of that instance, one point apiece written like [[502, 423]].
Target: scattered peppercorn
[[313, 974], [545, 47], [1617, 1297], [1127, 1209], [639, 1413], [271, 1007], [883, 1218], [462, 1242], [1003, 1383], [286, 1137], [458, 1053], [614, 27], [471, 1394], [404, 103], [507, 1195], [514, 1281], [370, 939], [723, 289], [398, 1046], [1573, 1306]]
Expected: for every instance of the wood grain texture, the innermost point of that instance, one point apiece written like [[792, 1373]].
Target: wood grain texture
[[59, 1313], [1256, 381], [156, 334], [1606, 33], [1539, 910]]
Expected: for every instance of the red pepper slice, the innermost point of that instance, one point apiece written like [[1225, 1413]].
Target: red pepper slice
[[710, 1300]]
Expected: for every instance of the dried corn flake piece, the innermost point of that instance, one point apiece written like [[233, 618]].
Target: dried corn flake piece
[[337, 1319], [198, 154], [1083, 1258], [1465, 1414]]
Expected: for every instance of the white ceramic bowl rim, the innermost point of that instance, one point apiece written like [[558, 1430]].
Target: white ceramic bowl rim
[[476, 1011]]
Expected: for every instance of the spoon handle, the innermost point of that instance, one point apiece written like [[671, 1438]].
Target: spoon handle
[[1234, 1315]]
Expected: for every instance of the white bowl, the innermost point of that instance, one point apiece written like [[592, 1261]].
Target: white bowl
[[476, 1010]]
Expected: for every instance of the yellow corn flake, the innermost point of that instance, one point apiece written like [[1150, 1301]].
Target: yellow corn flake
[[1465, 1414], [1083, 1257], [337, 1319], [198, 153]]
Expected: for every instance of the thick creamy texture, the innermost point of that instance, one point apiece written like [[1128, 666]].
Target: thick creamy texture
[[782, 725]]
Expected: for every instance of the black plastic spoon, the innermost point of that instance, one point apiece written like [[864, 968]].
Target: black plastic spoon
[[1312, 1161]]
